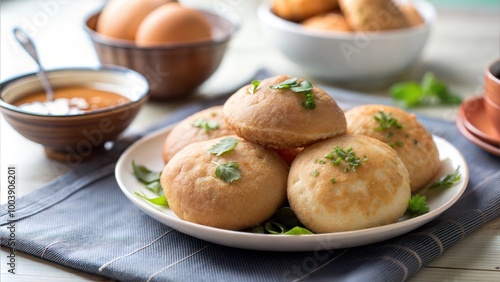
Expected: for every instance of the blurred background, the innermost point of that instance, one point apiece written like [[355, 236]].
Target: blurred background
[[56, 26]]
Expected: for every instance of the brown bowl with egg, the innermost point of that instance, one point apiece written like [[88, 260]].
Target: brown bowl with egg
[[90, 107], [175, 48]]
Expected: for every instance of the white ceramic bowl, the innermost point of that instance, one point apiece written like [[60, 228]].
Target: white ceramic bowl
[[348, 56]]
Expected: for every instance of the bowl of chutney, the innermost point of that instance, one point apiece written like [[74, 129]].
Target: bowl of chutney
[[90, 107]]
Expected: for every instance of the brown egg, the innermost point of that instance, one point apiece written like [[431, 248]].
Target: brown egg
[[121, 18], [172, 23]]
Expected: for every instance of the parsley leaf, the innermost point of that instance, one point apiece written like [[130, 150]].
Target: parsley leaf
[[302, 87], [430, 91], [417, 206], [283, 222], [205, 125], [155, 187], [386, 121], [253, 87], [160, 201], [144, 174], [228, 172], [223, 146], [447, 181]]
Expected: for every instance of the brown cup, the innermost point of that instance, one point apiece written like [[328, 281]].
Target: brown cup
[[492, 93]]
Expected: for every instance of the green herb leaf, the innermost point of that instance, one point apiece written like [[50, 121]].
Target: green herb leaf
[[228, 172], [160, 201], [347, 155], [206, 125], [386, 121], [297, 230], [447, 181], [303, 87], [155, 187], [429, 92], [253, 87], [144, 174], [417, 206], [287, 84], [224, 145], [283, 222]]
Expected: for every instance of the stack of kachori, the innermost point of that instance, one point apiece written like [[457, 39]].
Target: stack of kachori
[[338, 177]]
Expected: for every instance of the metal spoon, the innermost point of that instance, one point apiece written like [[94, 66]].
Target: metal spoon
[[23, 38]]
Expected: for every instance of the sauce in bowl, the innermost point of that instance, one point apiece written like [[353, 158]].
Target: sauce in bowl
[[70, 101]]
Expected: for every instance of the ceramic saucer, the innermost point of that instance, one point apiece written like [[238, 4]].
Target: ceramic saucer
[[473, 114], [476, 140]]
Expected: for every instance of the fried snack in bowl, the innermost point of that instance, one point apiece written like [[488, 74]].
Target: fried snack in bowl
[[238, 189], [299, 10], [276, 116], [373, 15], [347, 183], [332, 21], [201, 126], [404, 133]]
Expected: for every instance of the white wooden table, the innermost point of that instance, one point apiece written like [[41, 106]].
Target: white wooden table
[[463, 43]]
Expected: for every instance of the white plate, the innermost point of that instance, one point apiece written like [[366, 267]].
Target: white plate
[[147, 152]]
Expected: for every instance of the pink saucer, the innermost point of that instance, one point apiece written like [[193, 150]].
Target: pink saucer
[[473, 114], [474, 139]]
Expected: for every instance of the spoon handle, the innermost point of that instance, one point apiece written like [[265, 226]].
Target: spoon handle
[[23, 38]]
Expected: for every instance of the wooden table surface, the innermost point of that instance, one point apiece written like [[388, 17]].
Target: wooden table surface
[[464, 41]]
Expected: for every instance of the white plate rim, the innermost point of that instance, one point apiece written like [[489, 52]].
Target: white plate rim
[[287, 243]]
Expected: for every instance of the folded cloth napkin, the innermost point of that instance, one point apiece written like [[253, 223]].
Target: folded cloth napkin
[[83, 220]]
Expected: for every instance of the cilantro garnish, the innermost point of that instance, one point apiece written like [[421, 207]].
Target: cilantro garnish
[[160, 201], [429, 92], [447, 181], [417, 206], [228, 172], [253, 87], [347, 155], [386, 121], [283, 222], [144, 174], [223, 146], [304, 87], [205, 125]]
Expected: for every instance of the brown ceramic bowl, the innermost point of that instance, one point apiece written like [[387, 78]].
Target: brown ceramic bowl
[[73, 138], [492, 83], [173, 70]]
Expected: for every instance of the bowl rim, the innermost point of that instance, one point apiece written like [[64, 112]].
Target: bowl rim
[[127, 44], [267, 16], [107, 68]]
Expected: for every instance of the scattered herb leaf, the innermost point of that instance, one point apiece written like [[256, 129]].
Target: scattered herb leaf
[[144, 174], [333, 180], [386, 121], [160, 201], [430, 91], [228, 172], [347, 155], [253, 87], [315, 173], [223, 146], [448, 180], [304, 87], [283, 222], [417, 206], [155, 187], [206, 125]]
